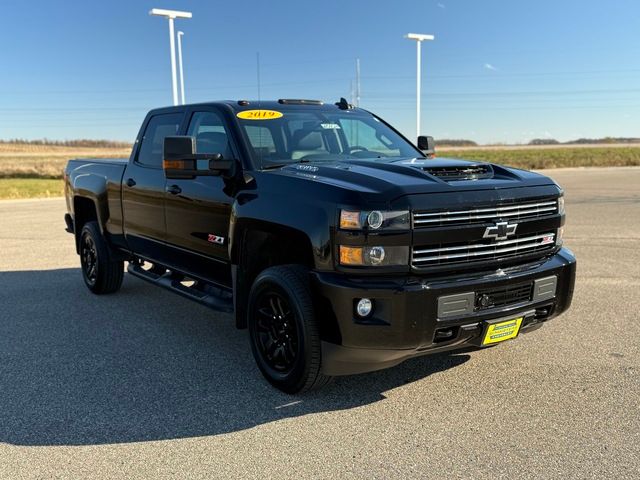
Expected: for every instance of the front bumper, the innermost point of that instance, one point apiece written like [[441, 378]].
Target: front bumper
[[407, 321]]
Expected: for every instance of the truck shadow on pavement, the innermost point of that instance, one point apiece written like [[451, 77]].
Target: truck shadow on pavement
[[142, 365]]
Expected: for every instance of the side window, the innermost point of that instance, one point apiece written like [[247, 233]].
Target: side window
[[159, 126], [211, 134]]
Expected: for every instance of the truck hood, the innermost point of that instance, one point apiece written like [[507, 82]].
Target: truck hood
[[413, 175]]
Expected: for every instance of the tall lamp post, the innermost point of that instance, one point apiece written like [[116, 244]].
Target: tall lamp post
[[171, 15], [180, 34], [419, 38]]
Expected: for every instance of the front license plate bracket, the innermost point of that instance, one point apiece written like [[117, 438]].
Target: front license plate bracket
[[499, 330]]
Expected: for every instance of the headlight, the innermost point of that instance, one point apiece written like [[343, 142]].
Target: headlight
[[375, 220], [377, 256], [561, 205]]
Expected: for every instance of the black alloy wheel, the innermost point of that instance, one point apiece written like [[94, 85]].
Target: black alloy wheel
[[277, 334], [89, 259], [102, 273], [285, 338]]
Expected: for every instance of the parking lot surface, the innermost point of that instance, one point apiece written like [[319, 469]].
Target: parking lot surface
[[145, 384]]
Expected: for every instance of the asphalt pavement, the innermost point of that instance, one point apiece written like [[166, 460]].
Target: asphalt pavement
[[146, 384]]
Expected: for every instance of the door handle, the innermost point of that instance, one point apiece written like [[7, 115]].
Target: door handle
[[131, 182], [174, 190]]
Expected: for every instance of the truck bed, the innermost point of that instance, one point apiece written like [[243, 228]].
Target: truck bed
[[77, 162], [98, 180]]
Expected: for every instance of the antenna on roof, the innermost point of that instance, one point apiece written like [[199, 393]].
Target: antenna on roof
[[357, 82], [258, 73], [260, 150]]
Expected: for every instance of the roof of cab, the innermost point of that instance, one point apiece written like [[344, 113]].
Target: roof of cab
[[282, 104]]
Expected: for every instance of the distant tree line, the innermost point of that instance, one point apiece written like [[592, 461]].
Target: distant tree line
[[587, 141], [85, 143], [453, 142], [544, 141]]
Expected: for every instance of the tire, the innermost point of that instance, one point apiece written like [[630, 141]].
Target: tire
[[285, 340], [101, 273]]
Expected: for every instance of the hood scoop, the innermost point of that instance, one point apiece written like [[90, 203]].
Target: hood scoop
[[460, 172]]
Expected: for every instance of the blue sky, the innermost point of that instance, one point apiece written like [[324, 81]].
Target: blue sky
[[498, 70]]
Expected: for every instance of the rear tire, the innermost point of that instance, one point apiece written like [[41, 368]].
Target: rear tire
[[282, 327], [101, 273]]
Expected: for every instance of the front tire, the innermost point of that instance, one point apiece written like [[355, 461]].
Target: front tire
[[101, 273], [284, 334]]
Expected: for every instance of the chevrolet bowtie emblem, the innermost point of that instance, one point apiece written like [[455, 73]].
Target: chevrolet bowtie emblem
[[500, 231]]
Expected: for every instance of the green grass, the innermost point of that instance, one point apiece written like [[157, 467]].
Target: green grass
[[552, 157], [30, 188]]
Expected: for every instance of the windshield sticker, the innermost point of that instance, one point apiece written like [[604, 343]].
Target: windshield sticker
[[330, 126], [259, 114]]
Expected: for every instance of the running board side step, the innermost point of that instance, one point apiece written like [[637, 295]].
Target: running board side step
[[206, 294]]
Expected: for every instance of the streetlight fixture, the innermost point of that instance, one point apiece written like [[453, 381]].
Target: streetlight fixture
[[419, 38], [171, 15], [180, 34]]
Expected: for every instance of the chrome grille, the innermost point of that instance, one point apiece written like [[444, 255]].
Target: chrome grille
[[482, 250], [481, 215]]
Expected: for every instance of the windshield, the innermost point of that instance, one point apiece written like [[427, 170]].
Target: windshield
[[309, 136]]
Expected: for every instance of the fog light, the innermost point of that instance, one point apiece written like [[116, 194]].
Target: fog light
[[364, 307], [376, 255]]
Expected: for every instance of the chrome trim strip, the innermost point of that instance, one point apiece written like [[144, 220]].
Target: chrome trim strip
[[482, 210], [479, 217], [521, 210], [520, 246], [483, 245]]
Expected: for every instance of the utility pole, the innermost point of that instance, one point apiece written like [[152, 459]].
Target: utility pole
[[352, 92], [171, 15], [180, 34], [419, 38]]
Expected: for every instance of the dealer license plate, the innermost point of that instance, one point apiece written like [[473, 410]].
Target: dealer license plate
[[501, 331]]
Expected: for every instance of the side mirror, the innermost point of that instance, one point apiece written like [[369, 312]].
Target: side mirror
[[427, 145], [180, 159]]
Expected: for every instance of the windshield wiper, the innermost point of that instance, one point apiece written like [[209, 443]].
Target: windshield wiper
[[274, 166]]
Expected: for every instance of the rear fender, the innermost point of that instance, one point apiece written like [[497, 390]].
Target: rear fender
[[94, 188]]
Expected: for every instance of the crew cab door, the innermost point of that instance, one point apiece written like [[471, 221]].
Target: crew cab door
[[198, 210], [143, 188]]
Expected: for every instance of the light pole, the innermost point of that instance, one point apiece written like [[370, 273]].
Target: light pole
[[171, 15], [180, 34], [419, 38]]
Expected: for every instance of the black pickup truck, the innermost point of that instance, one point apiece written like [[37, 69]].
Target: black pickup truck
[[341, 246]]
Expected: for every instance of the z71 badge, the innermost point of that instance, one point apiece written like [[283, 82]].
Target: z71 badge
[[215, 239]]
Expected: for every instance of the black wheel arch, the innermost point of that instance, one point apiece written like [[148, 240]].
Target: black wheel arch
[[84, 210], [258, 245]]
